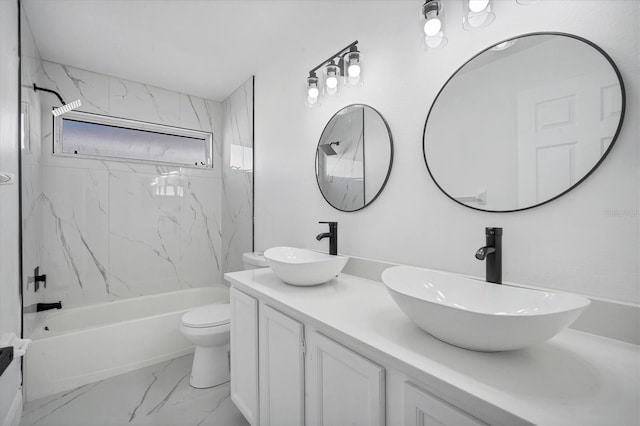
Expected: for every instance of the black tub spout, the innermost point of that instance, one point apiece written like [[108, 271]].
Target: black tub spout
[[46, 306]]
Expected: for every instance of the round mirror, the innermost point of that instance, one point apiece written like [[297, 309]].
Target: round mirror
[[524, 122], [353, 158]]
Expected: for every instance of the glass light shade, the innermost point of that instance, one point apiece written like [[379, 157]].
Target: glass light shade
[[313, 92], [331, 79], [353, 74], [476, 14], [433, 18]]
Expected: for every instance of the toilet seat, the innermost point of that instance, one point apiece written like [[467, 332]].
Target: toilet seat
[[208, 316]]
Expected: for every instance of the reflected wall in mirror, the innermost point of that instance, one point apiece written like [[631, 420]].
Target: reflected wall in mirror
[[354, 157], [524, 122]]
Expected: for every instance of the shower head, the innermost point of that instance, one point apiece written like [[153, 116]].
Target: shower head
[[66, 108], [328, 149]]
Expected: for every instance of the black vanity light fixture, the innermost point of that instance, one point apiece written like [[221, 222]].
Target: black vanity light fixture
[[343, 68], [433, 24]]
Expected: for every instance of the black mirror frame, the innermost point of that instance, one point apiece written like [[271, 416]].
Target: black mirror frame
[[613, 140], [386, 179]]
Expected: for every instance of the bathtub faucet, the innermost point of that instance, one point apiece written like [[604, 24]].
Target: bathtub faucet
[[46, 306]]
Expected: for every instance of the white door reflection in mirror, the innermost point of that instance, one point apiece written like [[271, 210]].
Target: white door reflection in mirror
[[564, 128]]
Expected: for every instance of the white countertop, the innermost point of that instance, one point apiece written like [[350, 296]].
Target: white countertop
[[575, 378]]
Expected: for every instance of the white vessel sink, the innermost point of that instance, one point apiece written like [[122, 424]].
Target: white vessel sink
[[476, 315], [303, 267]]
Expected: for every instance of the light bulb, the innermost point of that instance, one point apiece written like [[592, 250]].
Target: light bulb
[[313, 93], [432, 26], [332, 82], [354, 70], [312, 100], [478, 5]]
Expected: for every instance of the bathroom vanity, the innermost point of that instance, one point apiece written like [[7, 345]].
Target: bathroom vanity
[[344, 353]]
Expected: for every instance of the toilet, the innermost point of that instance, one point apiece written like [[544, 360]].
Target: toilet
[[208, 328], [254, 260]]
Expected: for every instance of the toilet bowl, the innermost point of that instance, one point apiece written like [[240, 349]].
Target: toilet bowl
[[208, 328]]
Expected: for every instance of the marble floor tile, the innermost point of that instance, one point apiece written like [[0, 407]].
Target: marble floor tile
[[155, 395]]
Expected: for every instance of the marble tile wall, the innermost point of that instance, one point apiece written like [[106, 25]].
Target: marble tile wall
[[237, 211], [113, 230]]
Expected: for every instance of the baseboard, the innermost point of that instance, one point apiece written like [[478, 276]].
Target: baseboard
[[15, 411], [607, 318]]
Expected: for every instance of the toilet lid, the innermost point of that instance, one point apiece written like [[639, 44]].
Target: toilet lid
[[208, 316]]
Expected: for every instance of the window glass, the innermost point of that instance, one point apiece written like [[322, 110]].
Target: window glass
[[120, 139]]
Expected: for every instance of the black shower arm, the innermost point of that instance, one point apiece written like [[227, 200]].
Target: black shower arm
[[36, 88]]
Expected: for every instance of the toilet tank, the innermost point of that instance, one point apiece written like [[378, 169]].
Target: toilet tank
[[253, 260]]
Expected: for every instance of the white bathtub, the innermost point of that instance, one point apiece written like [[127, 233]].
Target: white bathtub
[[82, 345]]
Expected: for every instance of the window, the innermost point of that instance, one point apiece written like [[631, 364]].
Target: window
[[93, 135]]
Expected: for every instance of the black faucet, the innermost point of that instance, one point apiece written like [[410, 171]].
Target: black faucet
[[492, 252], [332, 235]]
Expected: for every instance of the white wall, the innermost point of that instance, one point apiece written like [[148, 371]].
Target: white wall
[[9, 219], [585, 242]]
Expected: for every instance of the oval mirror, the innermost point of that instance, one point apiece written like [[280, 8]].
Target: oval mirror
[[354, 157], [524, 122]]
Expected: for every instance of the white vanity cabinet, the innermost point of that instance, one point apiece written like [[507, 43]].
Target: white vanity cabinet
[[366, 363], [276, 376], [244, 354], [281, 368], [343, 388]]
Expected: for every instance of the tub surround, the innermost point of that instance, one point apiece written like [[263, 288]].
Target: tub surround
[[575, 378], [237, 176], [86, 219], [98, 215]]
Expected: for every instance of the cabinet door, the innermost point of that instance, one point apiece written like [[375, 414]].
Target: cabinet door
[[423, 409], [343, 388], [281, 369], [244, 354]]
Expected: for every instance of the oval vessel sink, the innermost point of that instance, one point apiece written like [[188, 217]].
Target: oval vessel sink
[[303, 267], [480, 316]]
